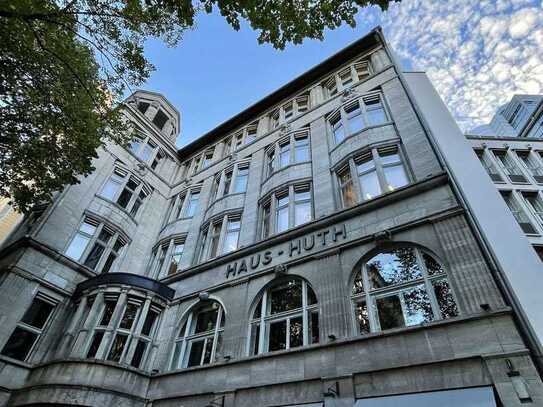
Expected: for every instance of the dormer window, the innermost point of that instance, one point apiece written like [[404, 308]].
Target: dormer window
[[160, 119]]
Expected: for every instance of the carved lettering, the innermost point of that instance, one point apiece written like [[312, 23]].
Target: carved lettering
[[311, 244], [253, 263], [294, 245], [242, 267], [342, 230], [231, 269], [267, 258]]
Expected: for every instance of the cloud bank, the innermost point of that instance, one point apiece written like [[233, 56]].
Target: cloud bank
[[478, 54]]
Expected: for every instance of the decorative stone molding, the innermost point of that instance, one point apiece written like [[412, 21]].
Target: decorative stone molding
[[349, 94], [280, 270], [383, 237], [140, 169]]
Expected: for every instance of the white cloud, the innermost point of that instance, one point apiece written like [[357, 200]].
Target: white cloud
[[478, 54]]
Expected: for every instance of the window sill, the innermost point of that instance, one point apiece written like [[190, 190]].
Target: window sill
[[119, 207], [16, 362], [359, 132], [285, 168]]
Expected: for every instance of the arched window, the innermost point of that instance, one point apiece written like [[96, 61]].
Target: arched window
[[401, 287], [285, 317], [200, 339]]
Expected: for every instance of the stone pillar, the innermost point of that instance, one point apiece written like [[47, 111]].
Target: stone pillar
[[323, 192], [83, 337], [236, 324], [249, 224], [316, 95], [69, 335]]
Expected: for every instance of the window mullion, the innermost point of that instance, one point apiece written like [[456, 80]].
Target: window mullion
[[262, 334], [91, 243], [288, 334], [428, 284], [355, 180], [291, 207], [181, 361], [379, 169], [305, 323], [216, 335]]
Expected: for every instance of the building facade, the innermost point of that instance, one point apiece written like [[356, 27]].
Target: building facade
[[313, 250], [521, 117]]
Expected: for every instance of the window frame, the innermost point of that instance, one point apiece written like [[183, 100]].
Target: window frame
[[187, 336], [369, 296], [109, 247], [353, 73], [274, 153], [121, 177], [215, 230], [271, 201], [39, 332], [265, 318], [162, 255]]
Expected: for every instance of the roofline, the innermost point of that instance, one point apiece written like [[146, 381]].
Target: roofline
[[366, 42], [160, 95]]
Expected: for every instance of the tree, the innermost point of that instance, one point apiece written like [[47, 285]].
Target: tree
[[65, 63]]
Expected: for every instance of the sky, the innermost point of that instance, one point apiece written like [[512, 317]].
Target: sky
[[477, 53]]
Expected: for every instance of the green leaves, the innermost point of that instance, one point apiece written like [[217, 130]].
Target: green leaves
[[63, 62]]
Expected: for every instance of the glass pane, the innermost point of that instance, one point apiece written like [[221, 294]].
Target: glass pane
[[94, 256], [77, 246], [370, 185], [124, 198], [389, 310], [365, 166], [394, 267], [314, 335], [258, 310], [241, 180], [206, 319], [149, 323], [358, 285], [138, 354], [362, 318], [282, 219], [146, 152], [109, 262], [134, 145], [390, 158], [227, 181], [395, 177], [302, 213], [311, 297], [296, 332], [445, 299], [129, 316], [356, 123], [95, 344], [19, 344], [110, 189], [255, 337], [284, 155], [418, 308], [432, 266], [348, 194], [278, 336], [195, 352], [302, 195], [286, 297], [208, 350], [38, 313], [135, 207], [108, 312], [117, 348], [87, 228], [176, 355], [104, 235], [339, 134], [230, 242]]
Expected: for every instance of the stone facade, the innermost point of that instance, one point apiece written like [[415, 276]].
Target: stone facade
[[158, 281]]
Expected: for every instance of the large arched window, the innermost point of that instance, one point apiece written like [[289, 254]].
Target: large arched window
[[401, 287], [285, 317], [200, 338]]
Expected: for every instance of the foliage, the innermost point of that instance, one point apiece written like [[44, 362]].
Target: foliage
[[63, 63]]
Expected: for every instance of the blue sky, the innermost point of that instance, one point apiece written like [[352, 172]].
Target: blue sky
[[478, 54]]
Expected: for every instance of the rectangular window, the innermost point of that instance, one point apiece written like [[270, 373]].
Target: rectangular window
[[518, 213], [160, 258], [147, 151], [158, 157], [354, 118], [532, 164], [143, 106], [117, 347], [241, 179], [227, 146], [510, 167], [232, 234], [302, 103], [227, 182], [282, 223], [489, 167], [337, 128], [175, 257], [113, 184], [135, 145], [29, 329], [128, 191], [284, 154], [251, 134], [274, 119], [362, 69], [535, 203], [98, 249], [196, 167], [367, 175], [160, 119], [238, 138], [395, 175], [302, 205], [331, 86], [348, 196], [266, 220], [288, 109], [208, 159], [214, 239], [270, 156], [192, 204], [375, 112], [81, 239], [345, 77], [301, 148]]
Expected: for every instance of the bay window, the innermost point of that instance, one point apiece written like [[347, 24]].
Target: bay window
[[30, 328], [509, 166], [199, 341], [191, 203], [146, 150], [220, 236], [378, 170], [532, 163], [128, 191], [167, 257], [97, 245], [291, 149], [286, 316], [125, 329], [357, 115], [232, 180], [242, 176], [401, 287], [286, 208], [345, 78]]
